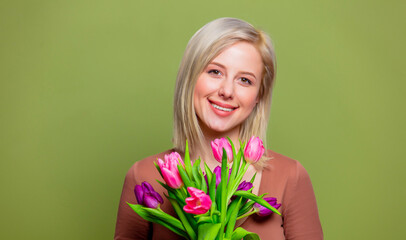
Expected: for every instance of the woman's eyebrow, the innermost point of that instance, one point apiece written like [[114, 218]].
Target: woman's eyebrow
[[218, 64], [249, 73]]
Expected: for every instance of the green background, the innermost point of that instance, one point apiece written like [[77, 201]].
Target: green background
[[86, 90]]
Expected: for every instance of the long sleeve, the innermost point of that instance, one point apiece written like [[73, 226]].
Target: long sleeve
[[129, 225], [300, 215]]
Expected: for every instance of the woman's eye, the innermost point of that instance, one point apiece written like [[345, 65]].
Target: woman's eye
[[215, 72], [246, 81]]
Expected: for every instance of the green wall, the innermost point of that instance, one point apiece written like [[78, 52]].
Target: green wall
[[86, 90]]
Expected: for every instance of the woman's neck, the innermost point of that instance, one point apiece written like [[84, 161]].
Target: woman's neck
[[210, 134]]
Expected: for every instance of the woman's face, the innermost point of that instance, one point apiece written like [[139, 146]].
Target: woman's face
[[227, 90]]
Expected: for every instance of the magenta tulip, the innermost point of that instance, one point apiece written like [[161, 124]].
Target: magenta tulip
[[263, 211], [217, 172], [169, 169], [254, 150], [147, 196], [198, 203], [217, 146], [244, 186]]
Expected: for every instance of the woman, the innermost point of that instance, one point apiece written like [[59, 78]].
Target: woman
[[223, 89]]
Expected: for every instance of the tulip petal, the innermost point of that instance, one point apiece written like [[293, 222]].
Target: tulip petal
[[263, 211], [147, 196], [147, 187], [169, 170], [139, 194], [254, 150], [157, 197], [198, 203], [150, 201], [217, 147], [172, 178]]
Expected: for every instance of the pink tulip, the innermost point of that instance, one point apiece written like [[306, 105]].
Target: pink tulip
[[174, 156], [169, 169], [254, 150], [217, 146], [198, 203]]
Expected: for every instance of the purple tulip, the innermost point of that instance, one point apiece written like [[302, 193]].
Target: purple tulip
[[217, 146], [254, 150], [263, 211], [207, 181], [217, 172], [244, 186], [147, 196]]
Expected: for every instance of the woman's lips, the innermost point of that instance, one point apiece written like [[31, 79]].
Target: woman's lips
[[222, 109]]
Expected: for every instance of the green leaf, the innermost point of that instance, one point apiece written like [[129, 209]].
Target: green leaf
[[246, 208], [212, 189], [214, 213], [233, 218], [256, 199], [232, 147], [223, 199], [159, 169], [188, 164], [209, 173], [185, 178], [195, 172], [185, 221], [241, 233], [239, 158], [139, 209], [231, 207], [206, 219], [218, 196], [203, 184], [234, 167], [175, 230], [238, 179], [165, 217], [160, 217], [177, 193], [208, 231]]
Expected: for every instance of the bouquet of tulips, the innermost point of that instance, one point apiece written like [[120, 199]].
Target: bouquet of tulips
[[208, 203]]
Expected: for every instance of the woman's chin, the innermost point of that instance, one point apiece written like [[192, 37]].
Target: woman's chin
[[221, 129]]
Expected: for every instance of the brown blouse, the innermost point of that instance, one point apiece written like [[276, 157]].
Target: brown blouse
[[283, 178]]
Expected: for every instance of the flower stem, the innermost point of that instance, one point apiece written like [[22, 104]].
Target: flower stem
[[247, 214]]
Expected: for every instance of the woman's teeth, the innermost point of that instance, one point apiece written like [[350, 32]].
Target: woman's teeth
[[222, 108]]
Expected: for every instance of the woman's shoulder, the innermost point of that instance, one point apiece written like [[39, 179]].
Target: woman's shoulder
[[144, 170], [282, 161], [151, 159], [288, 181], [284, 167]]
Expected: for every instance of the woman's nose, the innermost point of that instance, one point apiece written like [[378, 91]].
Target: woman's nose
[[226, 89]]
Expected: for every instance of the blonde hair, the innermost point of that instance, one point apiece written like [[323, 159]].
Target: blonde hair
[[203, 47]]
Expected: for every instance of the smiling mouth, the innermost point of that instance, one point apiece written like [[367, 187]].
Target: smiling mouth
[[222, 108]]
